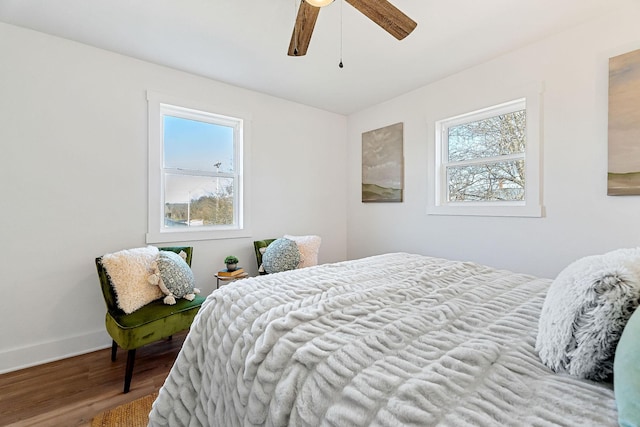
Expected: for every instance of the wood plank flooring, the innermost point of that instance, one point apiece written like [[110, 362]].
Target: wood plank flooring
[[72, 391]]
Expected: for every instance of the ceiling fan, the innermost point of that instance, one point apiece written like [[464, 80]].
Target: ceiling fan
[[383, 13]]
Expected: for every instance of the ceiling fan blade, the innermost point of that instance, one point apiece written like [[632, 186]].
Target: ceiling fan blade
[[387, 16], [302, 30]]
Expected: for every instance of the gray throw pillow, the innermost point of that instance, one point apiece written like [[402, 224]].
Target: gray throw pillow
[[281, 255], [176, 274], [585, 312]]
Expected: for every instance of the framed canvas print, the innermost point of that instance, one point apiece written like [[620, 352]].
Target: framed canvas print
[[383, 164], [624, 125]]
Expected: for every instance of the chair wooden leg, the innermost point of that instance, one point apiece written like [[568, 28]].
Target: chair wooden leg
[[131, 355], [114, 349]]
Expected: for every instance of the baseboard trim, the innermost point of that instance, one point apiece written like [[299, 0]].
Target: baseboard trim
[[38, 354]]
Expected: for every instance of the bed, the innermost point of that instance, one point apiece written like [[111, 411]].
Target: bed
[[389, 340]]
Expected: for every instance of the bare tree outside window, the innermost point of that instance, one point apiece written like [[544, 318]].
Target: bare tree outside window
[[485, 159]]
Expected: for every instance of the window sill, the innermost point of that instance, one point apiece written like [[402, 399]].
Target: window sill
[[487, 210], [195, 235]]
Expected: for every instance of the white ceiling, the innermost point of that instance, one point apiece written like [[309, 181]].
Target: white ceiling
[[244, 42]]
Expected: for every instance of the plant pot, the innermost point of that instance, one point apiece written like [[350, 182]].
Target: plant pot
[[232, 267]]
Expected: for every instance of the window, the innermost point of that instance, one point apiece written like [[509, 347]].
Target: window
[[487, 162], [196, 183]]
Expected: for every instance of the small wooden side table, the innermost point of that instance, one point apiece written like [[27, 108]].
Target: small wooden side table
[[228, 279]]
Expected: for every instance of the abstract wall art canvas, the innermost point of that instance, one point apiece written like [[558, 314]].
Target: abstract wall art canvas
[[383, 164], [624, 125]]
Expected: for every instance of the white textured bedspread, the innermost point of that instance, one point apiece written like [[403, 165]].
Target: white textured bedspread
[[390, 340]]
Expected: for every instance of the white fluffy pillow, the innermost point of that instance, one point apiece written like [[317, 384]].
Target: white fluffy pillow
[[585, 311], [309, 246], [129, 270]]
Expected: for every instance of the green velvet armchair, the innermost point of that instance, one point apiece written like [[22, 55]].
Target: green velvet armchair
[[153, 322], [257, 245]]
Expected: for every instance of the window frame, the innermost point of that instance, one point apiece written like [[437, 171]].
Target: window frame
[[160, 105], [531, 206]]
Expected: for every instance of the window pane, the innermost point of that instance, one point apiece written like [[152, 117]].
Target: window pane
[[197, 201], [494, 136], [196, 145], [501, 181]]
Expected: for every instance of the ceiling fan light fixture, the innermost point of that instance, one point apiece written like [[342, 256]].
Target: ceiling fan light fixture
[[381, 12], [319, 3]]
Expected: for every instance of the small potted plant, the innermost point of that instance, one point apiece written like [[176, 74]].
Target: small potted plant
[[232, 262]]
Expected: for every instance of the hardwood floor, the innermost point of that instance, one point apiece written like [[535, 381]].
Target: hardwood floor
[[72, 391]]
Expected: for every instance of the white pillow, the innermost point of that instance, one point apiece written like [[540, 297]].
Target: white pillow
[[261, 268], [309, 246], [585, 311], [129, 271]]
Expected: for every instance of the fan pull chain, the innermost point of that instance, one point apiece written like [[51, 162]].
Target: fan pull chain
[[341, 65]]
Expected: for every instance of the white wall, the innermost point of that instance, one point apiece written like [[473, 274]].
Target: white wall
[[580, 218], [73, 183]]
